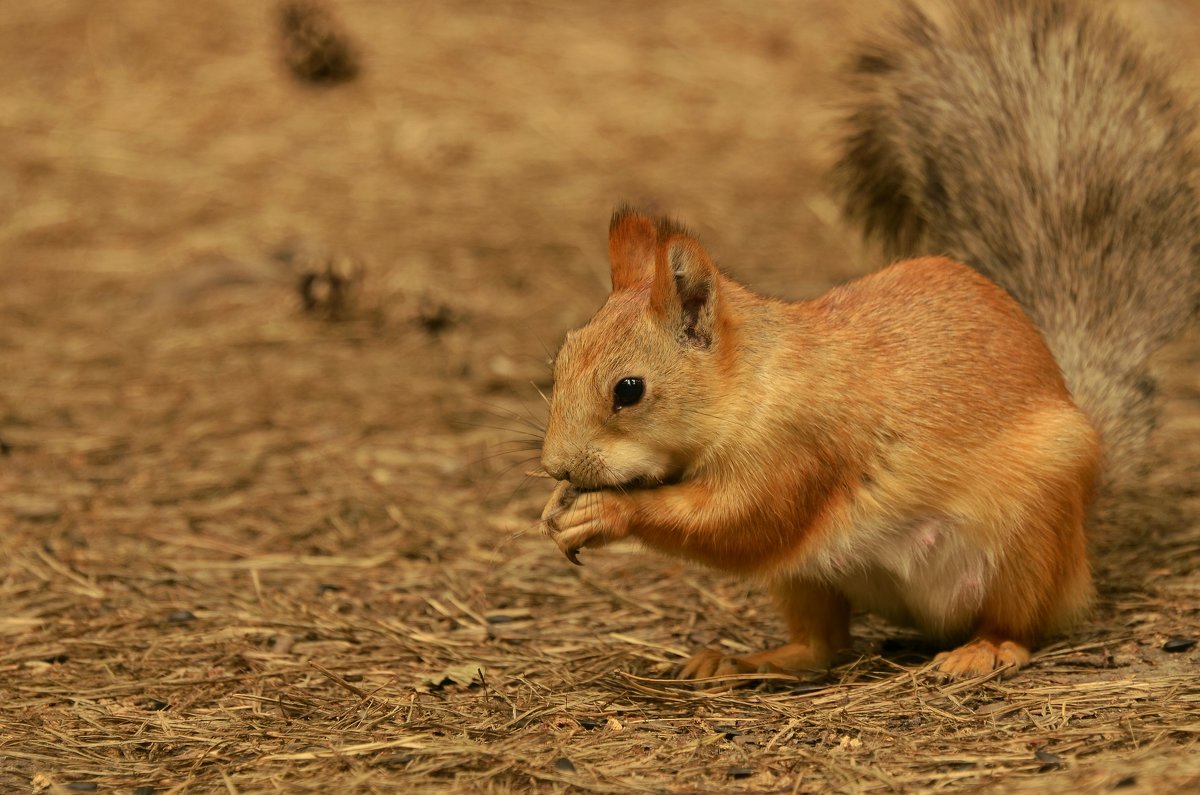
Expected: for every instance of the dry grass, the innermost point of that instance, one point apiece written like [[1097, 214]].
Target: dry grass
[[248, 548]]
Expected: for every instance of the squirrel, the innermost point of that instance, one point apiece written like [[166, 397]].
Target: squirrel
[[928, 442]]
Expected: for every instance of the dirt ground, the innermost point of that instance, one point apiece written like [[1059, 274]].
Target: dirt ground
[[252, 548]]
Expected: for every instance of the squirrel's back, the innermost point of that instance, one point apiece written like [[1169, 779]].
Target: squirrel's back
[[1033, 140]]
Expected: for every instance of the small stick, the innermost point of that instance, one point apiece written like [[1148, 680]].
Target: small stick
[[339, 681]]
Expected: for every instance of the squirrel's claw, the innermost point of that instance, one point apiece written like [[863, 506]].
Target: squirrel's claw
[[562, 498], [576, 519]]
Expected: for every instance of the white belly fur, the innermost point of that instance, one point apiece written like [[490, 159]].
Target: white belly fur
[[926, 572]]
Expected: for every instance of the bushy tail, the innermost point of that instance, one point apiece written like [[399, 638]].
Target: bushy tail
[[1034, 140]]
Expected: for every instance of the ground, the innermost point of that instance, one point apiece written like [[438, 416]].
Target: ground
[[250, 547]]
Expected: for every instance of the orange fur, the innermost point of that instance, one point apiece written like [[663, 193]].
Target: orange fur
[[907, 443], [904, 443]]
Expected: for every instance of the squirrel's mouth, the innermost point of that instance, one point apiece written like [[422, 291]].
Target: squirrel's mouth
[[640, 483], [645, 482]]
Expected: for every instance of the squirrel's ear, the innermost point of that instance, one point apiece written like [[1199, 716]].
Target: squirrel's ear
[[685, 288], [632, 239]]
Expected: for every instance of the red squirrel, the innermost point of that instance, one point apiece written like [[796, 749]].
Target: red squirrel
[[928, 442]]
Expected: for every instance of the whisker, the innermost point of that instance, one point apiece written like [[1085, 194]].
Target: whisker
[[499, 475], [523, 484], [501, 454], [620, 487], [526, 419], [549, 353], [530, 434], [534, 421], [516, 464], [520, 444]]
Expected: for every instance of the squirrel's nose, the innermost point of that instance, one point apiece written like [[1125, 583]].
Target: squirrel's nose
[[555, 469]]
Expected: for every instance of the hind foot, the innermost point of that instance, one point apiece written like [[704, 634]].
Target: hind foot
[[981, 657]]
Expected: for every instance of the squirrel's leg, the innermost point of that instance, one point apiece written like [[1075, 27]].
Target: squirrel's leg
[[1043, 580], [818, 619]]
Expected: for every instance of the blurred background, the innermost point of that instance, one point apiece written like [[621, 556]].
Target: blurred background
[[435, 183], [442, 178]]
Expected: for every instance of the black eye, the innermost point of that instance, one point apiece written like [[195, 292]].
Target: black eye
[[627, 392]]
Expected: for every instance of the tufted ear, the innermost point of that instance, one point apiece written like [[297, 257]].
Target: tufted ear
[[632, 240], [685, 292]]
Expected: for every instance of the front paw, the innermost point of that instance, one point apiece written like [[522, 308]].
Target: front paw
[[576, 519]]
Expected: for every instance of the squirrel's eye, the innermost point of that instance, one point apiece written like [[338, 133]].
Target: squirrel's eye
[[627, 392]]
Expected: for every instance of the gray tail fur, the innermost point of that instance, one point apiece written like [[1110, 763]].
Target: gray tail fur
[[1035, 141]]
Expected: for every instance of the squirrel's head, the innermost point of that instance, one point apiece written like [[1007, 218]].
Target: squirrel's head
[[634, 388]]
